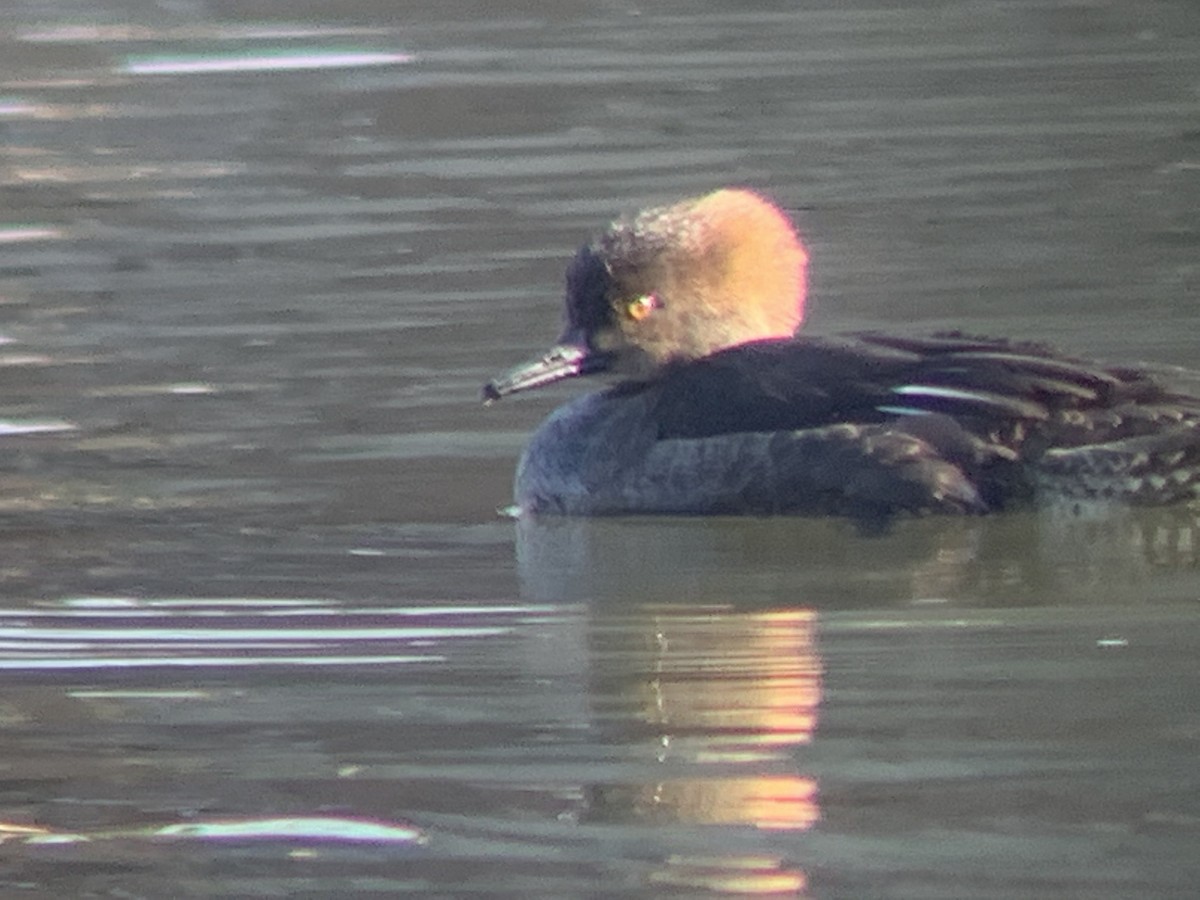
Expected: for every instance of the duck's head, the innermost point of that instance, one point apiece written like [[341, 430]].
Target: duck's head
[[674, 284]]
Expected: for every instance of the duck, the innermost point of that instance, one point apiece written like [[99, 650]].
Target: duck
[[719, 406]]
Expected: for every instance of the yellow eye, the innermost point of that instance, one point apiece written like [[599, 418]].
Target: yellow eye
[[639, 308]]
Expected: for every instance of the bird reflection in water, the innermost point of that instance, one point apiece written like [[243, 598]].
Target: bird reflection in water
[[715, 701]]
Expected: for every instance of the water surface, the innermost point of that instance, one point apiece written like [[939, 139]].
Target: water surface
[[263, 633]]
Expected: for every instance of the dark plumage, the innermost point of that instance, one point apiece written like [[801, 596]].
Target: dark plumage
[[724, 410]]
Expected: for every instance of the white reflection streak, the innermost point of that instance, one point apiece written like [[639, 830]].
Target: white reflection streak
[[75, 34], [317, 828], [239, 636], [265, 62], [13, 106], [32, 648], [210, 661], [239, 603], [109, 636], [18, 234], [9, 427], [134, 607]]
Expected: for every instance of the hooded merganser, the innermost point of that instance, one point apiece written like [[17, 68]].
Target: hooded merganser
[[724, 410]]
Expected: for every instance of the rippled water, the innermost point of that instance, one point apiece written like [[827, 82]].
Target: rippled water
[[262, 632]]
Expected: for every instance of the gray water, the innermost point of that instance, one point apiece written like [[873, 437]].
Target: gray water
[[262, 630]]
